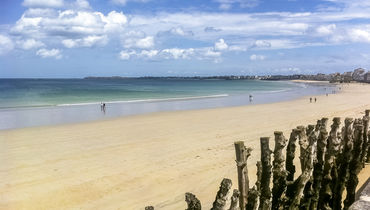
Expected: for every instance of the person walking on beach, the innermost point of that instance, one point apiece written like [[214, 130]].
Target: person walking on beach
[[315, 99], [102, 107], [310, 100], [250, 98]]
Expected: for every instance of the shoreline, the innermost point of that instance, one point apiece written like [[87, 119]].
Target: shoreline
[[14, 118], [152, 159]]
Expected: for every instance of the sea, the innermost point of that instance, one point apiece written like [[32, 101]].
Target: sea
[[39, 102]]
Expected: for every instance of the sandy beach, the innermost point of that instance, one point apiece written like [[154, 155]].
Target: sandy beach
[[152, 159]]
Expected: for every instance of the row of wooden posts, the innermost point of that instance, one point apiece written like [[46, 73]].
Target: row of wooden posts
[[330, 162]]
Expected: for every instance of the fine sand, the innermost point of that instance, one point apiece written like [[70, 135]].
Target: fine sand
[[130, 162]]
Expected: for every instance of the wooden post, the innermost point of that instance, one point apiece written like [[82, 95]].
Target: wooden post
[[310, 159], [355, 165], [318, 167], [367, 114], [326, 192], [299, 184], [343, 163], [253, 199], [303, 143], [192, 201], [265, 202], [222, 195], [366, 143], [290, 154], [242, 154], [255, 192], [235, 200], [279, 173]]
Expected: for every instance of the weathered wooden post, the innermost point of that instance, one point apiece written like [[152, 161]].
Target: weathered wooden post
[[255, 192], [326, 192], [367, 113], [355, 165], [299, 184], [290, 154], [279, 173], [265, 202], [318, 167], [365, 145], [192, 201], [242, 154], [343, 163], [303, 143], [222, 196], [235, 200], [310, 160]]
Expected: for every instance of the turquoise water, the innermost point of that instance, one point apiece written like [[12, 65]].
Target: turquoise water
[[38, 102], [52, 92]]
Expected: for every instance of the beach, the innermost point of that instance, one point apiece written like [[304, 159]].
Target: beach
[[152, 159]]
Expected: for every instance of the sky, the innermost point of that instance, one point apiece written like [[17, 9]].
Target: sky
[[78, 38]]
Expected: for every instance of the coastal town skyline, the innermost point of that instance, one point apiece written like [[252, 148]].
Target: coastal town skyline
[[74, 39]]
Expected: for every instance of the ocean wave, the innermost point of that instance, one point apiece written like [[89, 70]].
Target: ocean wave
[[146, 100]]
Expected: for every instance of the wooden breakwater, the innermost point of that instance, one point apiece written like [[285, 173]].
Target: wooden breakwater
[[330, 160]]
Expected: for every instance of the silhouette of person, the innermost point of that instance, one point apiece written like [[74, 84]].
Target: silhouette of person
[[315, 99], [310, 100]]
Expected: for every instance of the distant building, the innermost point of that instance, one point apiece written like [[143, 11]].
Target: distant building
[[367, 77], [358, 74], [347, 76]]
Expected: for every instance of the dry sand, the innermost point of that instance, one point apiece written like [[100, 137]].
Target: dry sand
[[153, 159]]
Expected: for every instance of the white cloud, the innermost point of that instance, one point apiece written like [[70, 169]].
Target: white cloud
[[68, 23], [143, 43], [148, 53], [124, 55], [255, 57], [211, 53], [180, 31], [228, 4], [261, 44], [88, 41], [221, 45], [39, 12], [6, 44], [82, 4], [360, 35], [30, 44], [44, 53], [237, 48], [177, 53], [325, 30], [115, 21], [124, 2], [43, 3]]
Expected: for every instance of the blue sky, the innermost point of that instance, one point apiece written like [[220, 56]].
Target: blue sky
[[77, 38]]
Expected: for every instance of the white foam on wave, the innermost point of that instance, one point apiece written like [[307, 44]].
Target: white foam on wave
[[147, 100]]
